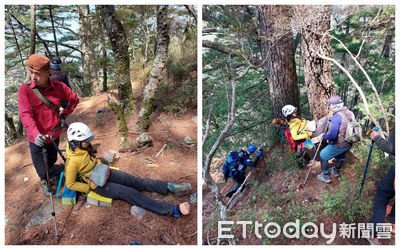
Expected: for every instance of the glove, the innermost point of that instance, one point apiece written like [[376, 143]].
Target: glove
[[317, 139], [261, 153], [104, 161], [40, 141], [62, 120]]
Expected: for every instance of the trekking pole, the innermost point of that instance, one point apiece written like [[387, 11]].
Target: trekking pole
[[309, 169], [312, 163], [54, 144], [369, 157], [53, 213]]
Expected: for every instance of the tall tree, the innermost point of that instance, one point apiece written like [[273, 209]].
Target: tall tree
[[156, 75], [119, 46], [276, 42], [318, 76], [104, 59], [84, 27]]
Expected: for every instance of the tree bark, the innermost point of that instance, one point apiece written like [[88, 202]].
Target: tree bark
[[276, 42], [33, 30], [10, 124], [156, 74], [119, 45], [387, 45], [84, 27], [104, 59], [317, 72]]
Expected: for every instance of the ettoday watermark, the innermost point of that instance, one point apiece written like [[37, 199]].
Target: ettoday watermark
[[293, 230]]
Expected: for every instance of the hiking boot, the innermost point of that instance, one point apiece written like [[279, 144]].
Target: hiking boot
[[45, 189], [179, 189], [334, 171], [324, 178]]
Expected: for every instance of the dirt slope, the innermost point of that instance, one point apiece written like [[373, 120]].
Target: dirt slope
[[308, 196], [28, 221]]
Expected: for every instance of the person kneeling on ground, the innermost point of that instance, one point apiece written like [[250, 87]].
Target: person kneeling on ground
[[299, 130], [113, 183], [235, 166], [337, 146]]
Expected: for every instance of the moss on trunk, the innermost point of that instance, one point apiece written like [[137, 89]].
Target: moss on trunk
[[121, 124], [145, 112]]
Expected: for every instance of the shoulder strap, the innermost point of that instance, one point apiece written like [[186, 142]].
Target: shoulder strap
[[44, 99]]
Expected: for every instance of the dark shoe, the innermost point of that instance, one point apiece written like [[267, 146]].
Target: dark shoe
[[179, 189], [324, 178], [334, 172], [45, 189]]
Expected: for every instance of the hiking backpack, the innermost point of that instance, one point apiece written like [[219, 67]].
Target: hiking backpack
[[353, 130], [231, 166]]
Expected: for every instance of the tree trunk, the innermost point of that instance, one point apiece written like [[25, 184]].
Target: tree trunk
[[10, 124], [33, 30], [54, 30], [104, 54], [386, 47], [277, 44], [119, 45], [317, 72], [157, 71], [84, 27], [32, 41]]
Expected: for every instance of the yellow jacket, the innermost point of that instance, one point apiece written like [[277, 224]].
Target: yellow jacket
[[298, 130], [79, 162]]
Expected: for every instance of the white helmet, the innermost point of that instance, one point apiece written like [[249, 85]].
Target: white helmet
[[79, 131], [288, 110]]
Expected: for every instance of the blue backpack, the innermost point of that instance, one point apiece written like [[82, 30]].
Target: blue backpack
[[232, 164]]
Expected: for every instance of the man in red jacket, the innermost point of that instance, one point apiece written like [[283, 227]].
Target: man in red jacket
[[39, 119]]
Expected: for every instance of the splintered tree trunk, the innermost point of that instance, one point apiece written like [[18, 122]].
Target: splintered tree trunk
[[277, 44], [119, 45], [156, 72], [317, 72]]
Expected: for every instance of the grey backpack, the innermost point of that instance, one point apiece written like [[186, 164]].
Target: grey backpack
[[353, 130]]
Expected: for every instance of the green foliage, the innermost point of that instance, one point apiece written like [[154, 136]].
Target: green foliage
[[341, 201], [179, 93]]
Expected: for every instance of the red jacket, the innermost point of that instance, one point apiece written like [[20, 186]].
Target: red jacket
[[36, 117]]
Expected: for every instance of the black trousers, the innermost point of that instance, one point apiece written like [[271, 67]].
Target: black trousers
[[239, 179], [384, 193], [123, 186], [38, 162]]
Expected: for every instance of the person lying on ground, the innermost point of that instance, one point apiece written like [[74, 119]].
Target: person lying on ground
[[235, 166], [39, 119], [112, 183], [385, 191], [337, 146]]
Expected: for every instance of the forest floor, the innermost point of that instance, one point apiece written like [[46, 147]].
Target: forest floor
[[28, 216], [273, 194]]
